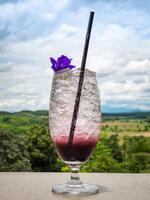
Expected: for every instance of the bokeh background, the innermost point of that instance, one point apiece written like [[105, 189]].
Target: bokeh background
[[33, 30]]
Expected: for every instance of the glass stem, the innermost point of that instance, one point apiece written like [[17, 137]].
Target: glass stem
[[75, 179], [74, 173]]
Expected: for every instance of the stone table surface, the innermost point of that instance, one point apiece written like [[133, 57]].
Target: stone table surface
[[37, 186]]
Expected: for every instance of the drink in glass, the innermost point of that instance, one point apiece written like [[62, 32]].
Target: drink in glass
[[87, 128]]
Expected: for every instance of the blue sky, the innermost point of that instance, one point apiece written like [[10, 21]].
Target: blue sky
[[33, 30]]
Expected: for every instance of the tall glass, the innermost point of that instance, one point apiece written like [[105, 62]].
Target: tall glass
[[86, 135]]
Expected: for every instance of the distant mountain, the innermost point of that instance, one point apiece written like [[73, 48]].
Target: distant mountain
[[26, 112], [110, 109], [129, 115], [37, 112]]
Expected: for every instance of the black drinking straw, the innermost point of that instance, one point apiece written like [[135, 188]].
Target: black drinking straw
[[81, 78]]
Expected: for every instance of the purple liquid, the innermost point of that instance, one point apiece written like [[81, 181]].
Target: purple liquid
[[80, 150]]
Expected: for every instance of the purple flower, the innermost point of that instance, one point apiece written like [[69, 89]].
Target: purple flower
[[61, 63]]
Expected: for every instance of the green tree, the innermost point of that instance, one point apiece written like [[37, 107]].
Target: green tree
[[136, 151], [135, 144], [148, 119], [113, 143], [13, 154], [41, 151], [145, 128], [101, 160], [6, 119], [128, 166]]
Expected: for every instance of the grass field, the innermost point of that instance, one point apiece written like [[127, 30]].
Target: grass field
[[129, 127], [123, 124]]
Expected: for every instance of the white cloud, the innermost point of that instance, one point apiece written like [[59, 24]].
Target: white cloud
[[5, 67], [138, 67], [28, 19], [119, 53]]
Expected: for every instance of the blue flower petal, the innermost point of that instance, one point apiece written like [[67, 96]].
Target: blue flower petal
[[61, 63], [65, 60], [54, 67], [53, 61], [71, 66]]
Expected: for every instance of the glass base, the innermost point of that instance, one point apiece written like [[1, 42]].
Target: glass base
[[84, 189]]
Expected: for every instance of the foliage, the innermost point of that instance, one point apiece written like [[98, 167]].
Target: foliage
[[41, 150], [25, 144], [113, 143], [101, 160], [13, 154]]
